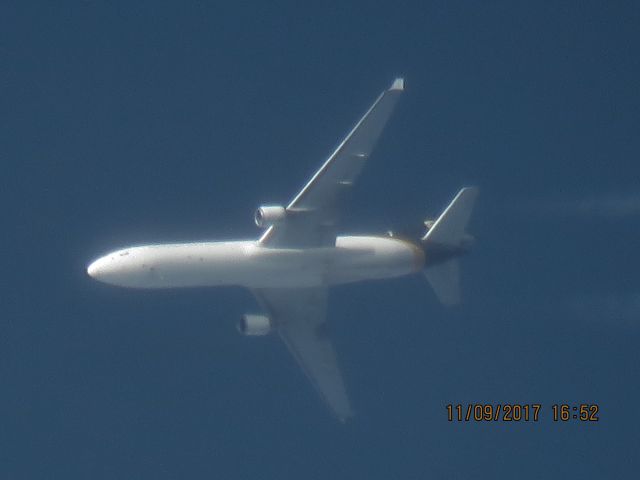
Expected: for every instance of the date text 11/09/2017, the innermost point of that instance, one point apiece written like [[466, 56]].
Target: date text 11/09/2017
[[516, 412]]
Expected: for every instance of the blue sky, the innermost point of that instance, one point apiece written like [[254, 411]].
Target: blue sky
[[166, 121]]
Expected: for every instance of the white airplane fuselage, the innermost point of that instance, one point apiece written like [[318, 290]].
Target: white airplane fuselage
[[248, 264]]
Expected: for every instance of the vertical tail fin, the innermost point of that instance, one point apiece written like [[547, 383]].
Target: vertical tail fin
[[449, 228], [444, 242]]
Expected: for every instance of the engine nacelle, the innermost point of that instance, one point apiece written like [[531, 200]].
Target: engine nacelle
[[269, 215], [254, 325]]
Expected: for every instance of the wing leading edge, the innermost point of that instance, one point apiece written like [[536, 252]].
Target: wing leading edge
[[300, 314], [314, 210], [300, 318]]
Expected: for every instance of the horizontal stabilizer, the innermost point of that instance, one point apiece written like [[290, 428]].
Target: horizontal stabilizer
[[444, 278]]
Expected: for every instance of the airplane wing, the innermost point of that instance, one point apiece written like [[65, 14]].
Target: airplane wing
[[300, 318], [312, 214]]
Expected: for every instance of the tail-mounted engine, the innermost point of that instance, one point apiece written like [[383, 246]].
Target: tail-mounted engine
[[254, 325], [269, 215]]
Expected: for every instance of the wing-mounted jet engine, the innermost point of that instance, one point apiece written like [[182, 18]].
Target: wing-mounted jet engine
[[255, 325], [269, 215]]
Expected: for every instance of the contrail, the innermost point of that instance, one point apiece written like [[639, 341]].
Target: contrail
[[607, 206], [604, 206], [615, 309]]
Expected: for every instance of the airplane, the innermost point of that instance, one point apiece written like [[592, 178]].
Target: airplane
[[291, 266]]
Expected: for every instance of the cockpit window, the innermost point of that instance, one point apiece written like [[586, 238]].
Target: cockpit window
[[124, 254]]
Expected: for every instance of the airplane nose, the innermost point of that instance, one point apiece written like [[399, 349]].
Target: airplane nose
[[92, 269], [100, 268], [115, 268]]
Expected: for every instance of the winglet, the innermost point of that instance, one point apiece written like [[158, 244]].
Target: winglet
[[398, 84]]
